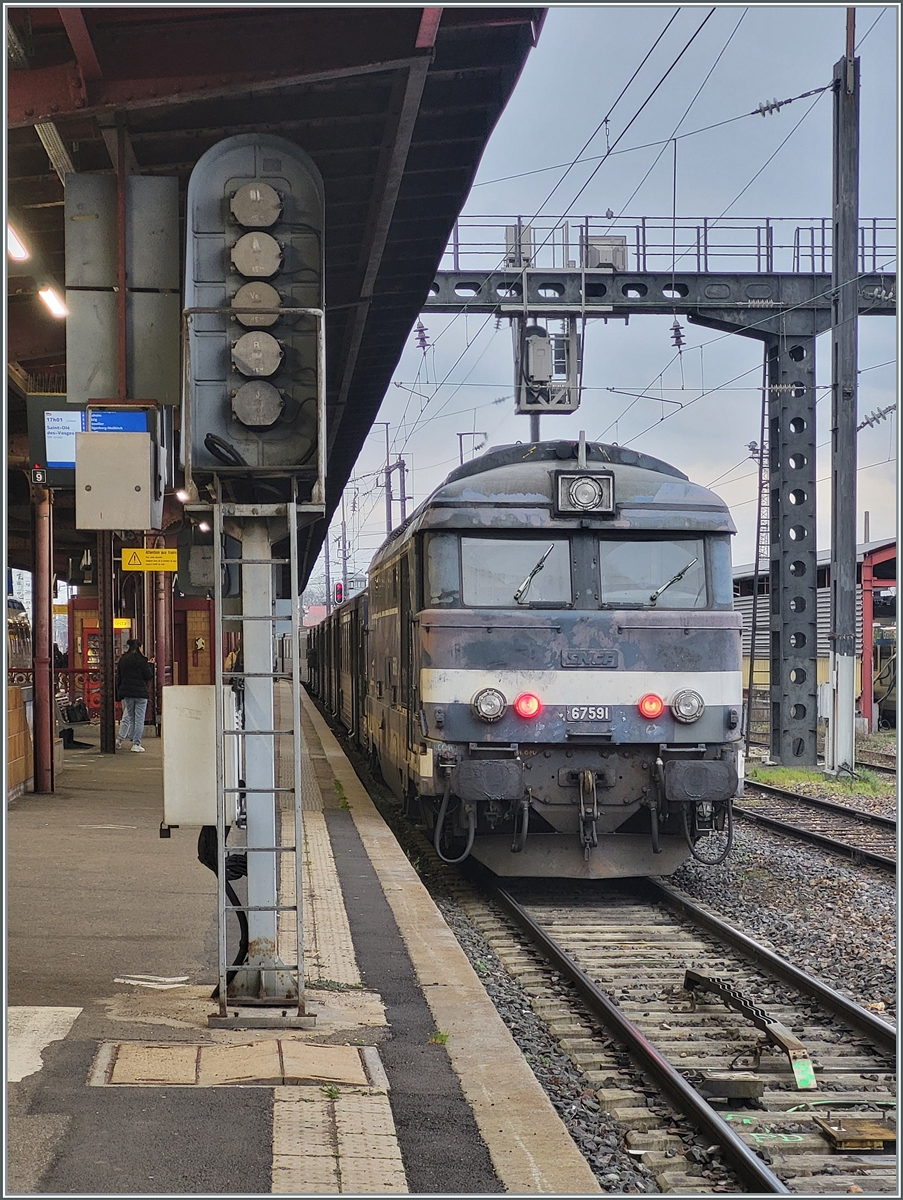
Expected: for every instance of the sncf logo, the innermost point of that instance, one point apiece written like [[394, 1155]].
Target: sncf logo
[[589, 658]]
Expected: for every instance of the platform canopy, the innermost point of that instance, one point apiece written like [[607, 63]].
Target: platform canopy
[[395, 106]]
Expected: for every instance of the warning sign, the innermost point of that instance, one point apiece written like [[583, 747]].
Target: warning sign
[[150, 560]]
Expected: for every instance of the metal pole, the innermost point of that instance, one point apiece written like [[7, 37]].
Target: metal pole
[[344, 553], [120, 260], [328, 580], [868, 643], [147, 629], [534, 427], [840, 745], [160, 624], [388, 485], [402, 470], [105, 624], [762, 514], [44, 725]]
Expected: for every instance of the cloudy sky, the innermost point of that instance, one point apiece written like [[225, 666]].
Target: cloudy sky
[[698, 409]]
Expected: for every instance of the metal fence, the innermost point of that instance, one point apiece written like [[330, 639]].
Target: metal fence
[[656, 244]]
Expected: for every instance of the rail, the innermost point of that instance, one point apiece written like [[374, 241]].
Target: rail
[[813, 808], [747, 1165], [650, 244]]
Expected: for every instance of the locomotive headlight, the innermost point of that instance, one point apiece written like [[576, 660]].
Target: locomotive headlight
[[688, 706], [584, 492], [489, 704]]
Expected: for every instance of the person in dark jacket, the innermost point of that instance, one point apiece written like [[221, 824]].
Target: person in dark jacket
[[133, 674]]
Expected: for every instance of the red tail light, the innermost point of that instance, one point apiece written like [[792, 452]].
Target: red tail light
[[651, 706], [527, 705]]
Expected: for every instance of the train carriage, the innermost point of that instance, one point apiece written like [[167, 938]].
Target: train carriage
[[551, 664]]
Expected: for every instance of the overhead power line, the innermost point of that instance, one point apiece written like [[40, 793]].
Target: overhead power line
[[771, 106]]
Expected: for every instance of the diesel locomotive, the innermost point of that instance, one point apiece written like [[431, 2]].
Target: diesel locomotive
[[545, 666]]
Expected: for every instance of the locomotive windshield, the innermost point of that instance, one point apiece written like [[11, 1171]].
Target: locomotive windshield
[[652, 570], [636, 571], [494, 570]]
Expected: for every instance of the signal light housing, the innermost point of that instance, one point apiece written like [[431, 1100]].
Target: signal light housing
[[528, 706], [651, 706]]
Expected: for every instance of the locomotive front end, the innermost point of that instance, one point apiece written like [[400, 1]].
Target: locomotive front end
[[578, 684]]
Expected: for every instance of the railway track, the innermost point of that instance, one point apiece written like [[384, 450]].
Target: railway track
[[883, 766], [854, 833], [613, 996], [667, 988]]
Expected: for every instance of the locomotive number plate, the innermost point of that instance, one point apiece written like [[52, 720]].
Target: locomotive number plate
[[588, 712]]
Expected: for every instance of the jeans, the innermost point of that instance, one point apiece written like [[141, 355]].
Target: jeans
[[132, 724]]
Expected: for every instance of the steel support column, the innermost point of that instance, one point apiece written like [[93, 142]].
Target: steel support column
[[793, 578], [868, 643], [790, 348], [105, 624], [260, 764], [44, 724], [840, 742]]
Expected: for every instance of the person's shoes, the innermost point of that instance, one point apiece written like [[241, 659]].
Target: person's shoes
[[137, 749], [119, 743]]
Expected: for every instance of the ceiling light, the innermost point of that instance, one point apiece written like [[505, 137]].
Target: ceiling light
[[15, 247], [203, 526], [53, 302], [183, 494]]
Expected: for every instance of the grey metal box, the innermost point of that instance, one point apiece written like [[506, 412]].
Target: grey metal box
[[114, 482], [152, 341], [151, 233], [189, 754]]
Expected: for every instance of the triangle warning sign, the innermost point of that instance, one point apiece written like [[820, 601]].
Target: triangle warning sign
[[135, 560]]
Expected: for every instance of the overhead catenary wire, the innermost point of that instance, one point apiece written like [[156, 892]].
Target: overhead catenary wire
[[606, 118], [569, 167], [775, 105], [827, 478], [623, 133], [636, 115], [464, 383], [675, 136], [870, 28], [719, 338]]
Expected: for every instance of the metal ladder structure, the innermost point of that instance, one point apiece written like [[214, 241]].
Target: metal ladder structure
[[250, 790]]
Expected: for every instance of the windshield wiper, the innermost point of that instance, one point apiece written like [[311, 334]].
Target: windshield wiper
[[673, 579], [525, 586]]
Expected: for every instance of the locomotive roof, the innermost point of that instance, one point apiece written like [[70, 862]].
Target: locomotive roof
[[510, 488], [597, 454]]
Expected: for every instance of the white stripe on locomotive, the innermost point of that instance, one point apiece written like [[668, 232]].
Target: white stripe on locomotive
[[438, 686]]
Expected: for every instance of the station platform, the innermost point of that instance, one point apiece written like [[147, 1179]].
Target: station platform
[[408, 1082]]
